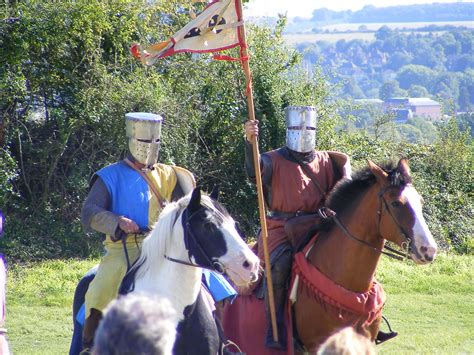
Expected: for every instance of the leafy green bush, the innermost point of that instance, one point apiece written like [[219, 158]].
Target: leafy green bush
[[67, 82]]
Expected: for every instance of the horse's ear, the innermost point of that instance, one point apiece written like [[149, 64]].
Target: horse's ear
[[215, 193], [378, 172], [195, 201], [404, 169]]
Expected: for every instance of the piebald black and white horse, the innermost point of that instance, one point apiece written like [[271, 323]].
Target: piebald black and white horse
[[193, 233]]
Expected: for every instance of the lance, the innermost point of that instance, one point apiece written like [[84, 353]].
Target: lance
[[256, 155]]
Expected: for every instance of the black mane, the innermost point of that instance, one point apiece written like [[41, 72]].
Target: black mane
[[347, 192]]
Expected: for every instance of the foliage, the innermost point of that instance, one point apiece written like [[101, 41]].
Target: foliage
[[427, 65], [66, 83], [448, 187]]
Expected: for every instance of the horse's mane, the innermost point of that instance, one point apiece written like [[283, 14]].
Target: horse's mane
[[347, 192], [154, 245]]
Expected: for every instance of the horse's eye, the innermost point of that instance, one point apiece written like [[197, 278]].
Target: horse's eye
[[396, 204]]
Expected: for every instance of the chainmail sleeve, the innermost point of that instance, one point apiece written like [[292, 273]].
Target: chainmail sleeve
[[95, 214], [266, 167]]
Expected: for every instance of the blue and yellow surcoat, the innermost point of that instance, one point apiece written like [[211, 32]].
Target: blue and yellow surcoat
[[130, 194], [131, 197]]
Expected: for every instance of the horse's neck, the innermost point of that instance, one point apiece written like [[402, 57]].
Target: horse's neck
[[179, 283], [344, 260]]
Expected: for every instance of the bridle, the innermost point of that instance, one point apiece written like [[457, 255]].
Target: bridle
[[327, 213], [212, 265]]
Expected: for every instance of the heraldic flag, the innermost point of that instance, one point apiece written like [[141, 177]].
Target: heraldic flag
[[213, 30]]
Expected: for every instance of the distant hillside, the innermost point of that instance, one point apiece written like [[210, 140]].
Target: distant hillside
[[460, 11], [426, 13]]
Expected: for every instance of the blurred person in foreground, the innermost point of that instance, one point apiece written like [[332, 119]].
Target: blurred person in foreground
[[347, 342], [137, 324]]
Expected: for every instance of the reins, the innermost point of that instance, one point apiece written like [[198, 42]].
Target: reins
[[188, 232], [327, 213]]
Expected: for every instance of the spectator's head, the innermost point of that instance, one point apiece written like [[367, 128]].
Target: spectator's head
[[347, 342], [143, 132], [136, 324]]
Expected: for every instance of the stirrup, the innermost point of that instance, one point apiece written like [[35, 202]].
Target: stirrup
[[383, 336]]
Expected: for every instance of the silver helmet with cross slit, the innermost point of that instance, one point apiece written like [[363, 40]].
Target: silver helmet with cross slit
[[301, 128]]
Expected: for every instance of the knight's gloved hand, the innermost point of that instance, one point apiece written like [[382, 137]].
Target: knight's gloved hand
[[127, 225], [251, 129]]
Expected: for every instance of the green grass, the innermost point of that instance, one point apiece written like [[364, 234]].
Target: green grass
[[430, 306], [39, 305]]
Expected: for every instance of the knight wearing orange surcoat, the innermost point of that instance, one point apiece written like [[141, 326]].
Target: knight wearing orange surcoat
[[296, 180]]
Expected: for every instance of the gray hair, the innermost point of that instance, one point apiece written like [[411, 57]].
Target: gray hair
[[136, 324], [347, 342]]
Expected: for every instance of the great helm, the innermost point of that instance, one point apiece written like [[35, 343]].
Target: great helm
[[301, 128], [143, 131]]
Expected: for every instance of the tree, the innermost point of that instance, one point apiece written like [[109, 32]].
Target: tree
[[449, 43], [384, 33], [415, 75], [398, 60], [390, 89], [418, 91], [463, 62], [353, 90]]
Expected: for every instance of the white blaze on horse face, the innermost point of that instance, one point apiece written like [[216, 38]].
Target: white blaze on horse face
[[240, 262], [424, 244]]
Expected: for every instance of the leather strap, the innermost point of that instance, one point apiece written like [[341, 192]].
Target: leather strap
[[309, 174], [161, 202]]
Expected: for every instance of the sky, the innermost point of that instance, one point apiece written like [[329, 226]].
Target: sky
[[304, 8]]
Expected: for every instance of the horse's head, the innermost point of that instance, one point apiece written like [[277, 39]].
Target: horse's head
[[400, 216], [213, 241]]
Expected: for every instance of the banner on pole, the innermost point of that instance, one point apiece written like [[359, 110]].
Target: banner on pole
[[215, 29]]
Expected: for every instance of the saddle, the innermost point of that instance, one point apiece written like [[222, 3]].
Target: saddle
[[300, 229]]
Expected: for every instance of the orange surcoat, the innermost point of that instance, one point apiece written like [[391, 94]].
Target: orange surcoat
[[293, 191]]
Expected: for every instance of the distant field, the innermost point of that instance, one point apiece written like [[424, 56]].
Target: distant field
[[292, 39], [351, 31], [394, 25]]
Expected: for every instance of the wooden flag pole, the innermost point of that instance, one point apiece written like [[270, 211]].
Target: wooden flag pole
[[256, 155]]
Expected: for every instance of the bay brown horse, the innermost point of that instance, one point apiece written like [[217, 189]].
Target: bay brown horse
[[333, 278]]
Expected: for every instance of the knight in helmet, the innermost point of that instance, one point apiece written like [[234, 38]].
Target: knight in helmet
[[124, 201], [296, 180]]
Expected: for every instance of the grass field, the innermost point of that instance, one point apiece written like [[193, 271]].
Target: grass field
[[432, 307]]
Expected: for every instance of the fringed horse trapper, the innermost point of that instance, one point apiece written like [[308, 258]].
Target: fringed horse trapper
[[344, 305]]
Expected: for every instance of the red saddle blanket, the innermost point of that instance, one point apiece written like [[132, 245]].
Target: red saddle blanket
[[358, 307]]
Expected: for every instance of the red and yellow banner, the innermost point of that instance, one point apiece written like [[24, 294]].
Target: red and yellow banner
[[215, 29]]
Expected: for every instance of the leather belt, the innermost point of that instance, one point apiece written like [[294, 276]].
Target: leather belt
[[286, 215]]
